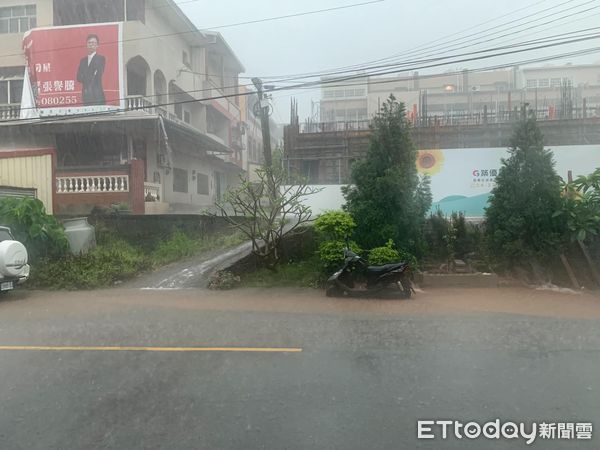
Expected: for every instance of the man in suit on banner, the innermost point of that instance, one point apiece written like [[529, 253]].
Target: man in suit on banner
[[91, 69]]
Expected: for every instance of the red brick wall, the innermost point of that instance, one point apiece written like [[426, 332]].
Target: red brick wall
[[84, 203], [136, 186]]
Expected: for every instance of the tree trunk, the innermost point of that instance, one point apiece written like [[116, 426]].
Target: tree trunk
[[590, 261], [570, 272]]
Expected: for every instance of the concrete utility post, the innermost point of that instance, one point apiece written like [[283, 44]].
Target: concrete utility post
[[263, 107]]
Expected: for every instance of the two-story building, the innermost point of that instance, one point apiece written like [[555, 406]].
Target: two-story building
[[173, 142], [252, 157]]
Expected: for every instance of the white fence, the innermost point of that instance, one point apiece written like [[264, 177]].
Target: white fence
[[92, 184]]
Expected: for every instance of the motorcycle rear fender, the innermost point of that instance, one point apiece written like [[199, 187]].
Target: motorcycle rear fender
[[335, 276], [392, 274]]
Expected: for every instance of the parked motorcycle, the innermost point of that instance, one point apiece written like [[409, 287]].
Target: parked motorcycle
[[357, 279]]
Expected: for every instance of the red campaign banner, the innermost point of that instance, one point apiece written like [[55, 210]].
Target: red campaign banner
[[75, 69]]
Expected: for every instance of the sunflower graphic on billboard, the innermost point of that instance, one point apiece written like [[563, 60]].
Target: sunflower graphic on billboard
[[430, 162]]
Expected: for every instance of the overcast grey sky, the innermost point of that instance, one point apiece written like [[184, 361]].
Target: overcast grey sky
[[345, 37]]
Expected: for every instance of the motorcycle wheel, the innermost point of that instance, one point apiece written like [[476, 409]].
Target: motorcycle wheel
[[406, 287], [334, 291]]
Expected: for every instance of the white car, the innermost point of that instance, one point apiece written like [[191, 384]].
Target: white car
[[14, 269]]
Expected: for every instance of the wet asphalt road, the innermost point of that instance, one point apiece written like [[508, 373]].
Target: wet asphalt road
[[366, 372]]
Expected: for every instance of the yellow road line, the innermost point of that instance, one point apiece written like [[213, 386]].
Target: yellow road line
[[149, 349]]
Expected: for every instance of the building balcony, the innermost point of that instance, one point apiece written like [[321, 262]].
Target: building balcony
[[10, 112], [78, 191]]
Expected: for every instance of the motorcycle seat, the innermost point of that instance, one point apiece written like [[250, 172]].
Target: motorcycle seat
[[385, 268]]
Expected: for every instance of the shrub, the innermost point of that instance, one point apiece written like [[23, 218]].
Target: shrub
[[452, 237], [408, 257], [388, 255], [384, 255], [331, 253], [42, 234], [102, 266], [335, 225]]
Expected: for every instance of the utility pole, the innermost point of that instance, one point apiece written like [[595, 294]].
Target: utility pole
[[263, 107]]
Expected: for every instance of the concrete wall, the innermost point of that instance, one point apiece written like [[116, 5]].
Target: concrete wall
[[144, 229], [329, 198]]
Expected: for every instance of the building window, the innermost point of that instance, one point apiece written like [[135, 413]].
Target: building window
[[555, 82], [543, 83], [75, 12], [180, 180], [531, 83], [17, 19], [10, 92], [203, 184], [187, 118], [328, 94]]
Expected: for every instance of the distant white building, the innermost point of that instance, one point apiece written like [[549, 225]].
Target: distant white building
[[467, 95]]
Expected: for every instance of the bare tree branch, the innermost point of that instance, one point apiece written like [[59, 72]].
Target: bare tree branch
[[268, 210]]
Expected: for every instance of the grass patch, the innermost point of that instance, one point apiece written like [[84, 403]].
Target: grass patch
[[102, 266], [115, 259], [180, 246], [306, 273]]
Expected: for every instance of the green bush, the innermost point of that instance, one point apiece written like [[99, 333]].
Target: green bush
[[450, 238], [335, 225], [101, 267], [408, 257], [388, 255], [384, 255], [331, 253], [42, 234]]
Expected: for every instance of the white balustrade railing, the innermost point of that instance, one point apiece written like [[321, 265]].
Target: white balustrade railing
[[152, 191], [138, 102], [90, 184], [9, 112]]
